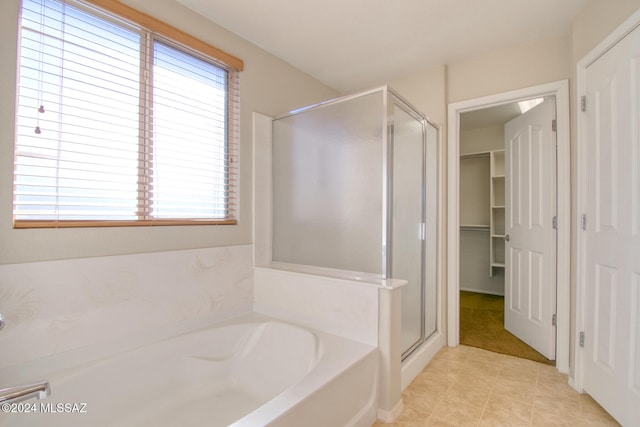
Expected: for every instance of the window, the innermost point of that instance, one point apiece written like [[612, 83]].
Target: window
[[118, 124]]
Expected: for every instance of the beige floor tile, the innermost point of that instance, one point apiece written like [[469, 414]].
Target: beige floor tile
[[503, 408], [501, 419], [454, 413], [518, 363], [484, 367], [473, 395], [593, 413], [421, 401], [437, 422], [465, 386], [441, 377], [453, 353], [408, 418], [543, 418], [558, 404], [485, 355], [475, 378], [448, 365], [521, 375], [512, 389], [550, 373], [556, 390], [436, 380]]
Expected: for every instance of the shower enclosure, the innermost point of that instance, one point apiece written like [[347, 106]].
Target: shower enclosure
[[354, 194]]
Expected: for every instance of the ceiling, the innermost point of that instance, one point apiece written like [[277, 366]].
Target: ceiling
[[492, 116], [354, 44]]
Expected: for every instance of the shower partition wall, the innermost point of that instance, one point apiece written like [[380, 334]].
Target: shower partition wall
[[354, 193]]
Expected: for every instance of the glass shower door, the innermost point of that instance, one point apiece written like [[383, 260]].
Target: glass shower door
[[407, 224]]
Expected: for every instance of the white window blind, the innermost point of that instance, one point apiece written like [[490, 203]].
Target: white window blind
[[118, 125]]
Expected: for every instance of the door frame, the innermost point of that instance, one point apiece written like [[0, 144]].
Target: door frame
[[581, 154], [559, 89]]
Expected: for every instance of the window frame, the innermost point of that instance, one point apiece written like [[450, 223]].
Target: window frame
[[156, 30]]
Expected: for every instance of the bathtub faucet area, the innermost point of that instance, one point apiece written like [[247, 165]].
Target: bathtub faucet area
[[38, 390]]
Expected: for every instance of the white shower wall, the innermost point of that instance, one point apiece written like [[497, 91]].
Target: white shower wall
[[55, 306]]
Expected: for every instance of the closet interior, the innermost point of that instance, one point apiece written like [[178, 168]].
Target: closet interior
[[482, 210]]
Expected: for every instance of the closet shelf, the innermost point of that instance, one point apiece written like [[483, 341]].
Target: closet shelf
[[475, 154], [497, 214]]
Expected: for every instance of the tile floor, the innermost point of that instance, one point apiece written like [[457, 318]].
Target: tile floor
[[467, 386]]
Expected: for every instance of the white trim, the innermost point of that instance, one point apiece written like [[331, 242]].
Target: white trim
[[483, 291], [392, 415], [560, 90], [581, 67], [440, 273], [420, 358], [262, 211]]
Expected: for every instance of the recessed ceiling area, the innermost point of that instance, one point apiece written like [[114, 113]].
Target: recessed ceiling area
[[491, 116], [499, 114], [350, 45]]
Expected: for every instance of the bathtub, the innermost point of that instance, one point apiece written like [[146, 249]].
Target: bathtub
[[251, 371]]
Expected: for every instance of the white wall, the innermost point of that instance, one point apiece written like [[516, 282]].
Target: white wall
[[475, 175], [508, 69], [426, 91], [267, 84], [482, 139], [596, 21]]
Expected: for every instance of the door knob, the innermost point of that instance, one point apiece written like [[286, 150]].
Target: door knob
[[507, 237]]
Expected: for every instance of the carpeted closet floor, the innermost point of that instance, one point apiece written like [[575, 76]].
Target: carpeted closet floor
[[482, 326]]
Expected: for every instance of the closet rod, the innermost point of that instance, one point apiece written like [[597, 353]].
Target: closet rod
[[474, 228]]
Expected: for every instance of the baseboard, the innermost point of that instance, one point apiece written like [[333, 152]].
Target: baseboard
[[390, 416], [573, 384], [419, 359], [482, 291]]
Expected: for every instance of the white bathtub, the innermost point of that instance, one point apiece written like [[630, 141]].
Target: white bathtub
[[254, 371]]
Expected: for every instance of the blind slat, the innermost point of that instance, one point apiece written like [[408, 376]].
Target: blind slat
[[109, 130]]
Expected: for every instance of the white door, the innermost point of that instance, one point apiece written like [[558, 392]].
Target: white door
[[612, 237], [530, 249]]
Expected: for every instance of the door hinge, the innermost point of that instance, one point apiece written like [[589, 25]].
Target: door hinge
[[582, 339], [554, 125], [583, 221], [583, 103], [555, 222], [554, 320]]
